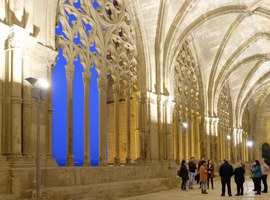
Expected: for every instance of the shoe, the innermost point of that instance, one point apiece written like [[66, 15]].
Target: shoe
[[264, 191], [241, 194], [222, 195], [237, 195], [212, 188], [205, 192], [254, 190], [230, 195], [257, 193]]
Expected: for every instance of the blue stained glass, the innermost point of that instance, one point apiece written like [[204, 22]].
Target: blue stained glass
[[95, 4], [71, 18], [88, 27], [77, 40], [93, 49], [104, 29], [59, 31], [78, 5]]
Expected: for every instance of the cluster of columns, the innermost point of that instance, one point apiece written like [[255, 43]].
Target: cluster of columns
[[187, 133], [102, 87], [17, 137]]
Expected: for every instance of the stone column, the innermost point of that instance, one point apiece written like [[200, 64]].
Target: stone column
[[15, 54], [102, 86], [86, 83], [138, 136], [160, 132], [49, 132], [116, 88], [70, 77], [127, 98], [3, 35], [198, 136], [181, 149], [207, 140], [187, 135], [192, 132], [216, 142], [176, 133]]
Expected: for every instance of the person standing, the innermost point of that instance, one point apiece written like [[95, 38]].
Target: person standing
[[203, 177], [192, 170], [265, 169], [257, 176], [239, 177], [226, 172], [184, 175], [199, 165], [210, 173]]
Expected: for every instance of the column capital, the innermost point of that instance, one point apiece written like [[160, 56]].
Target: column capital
[[102, 83], [69, 72], [116, 88], [87, 77]]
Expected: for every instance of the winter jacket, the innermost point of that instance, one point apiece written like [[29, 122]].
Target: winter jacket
[[226, 170], [239, 175], [203, 173]]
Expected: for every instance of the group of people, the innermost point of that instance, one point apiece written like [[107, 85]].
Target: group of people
[[204, 174]]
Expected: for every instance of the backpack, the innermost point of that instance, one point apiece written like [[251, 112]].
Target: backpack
[[179, 173]]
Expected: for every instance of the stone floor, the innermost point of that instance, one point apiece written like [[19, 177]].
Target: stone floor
[[175, 194]]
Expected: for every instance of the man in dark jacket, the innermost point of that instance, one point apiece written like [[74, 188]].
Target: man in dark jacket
[[192, 169], [226, 172]]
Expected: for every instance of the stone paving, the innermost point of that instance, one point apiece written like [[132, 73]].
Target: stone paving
[[213, 194]]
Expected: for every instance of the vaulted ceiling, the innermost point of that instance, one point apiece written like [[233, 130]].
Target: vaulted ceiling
[[232, 40]]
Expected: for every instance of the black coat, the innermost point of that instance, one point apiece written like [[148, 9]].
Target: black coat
[[184, 172], [239, 175], [226, 170]]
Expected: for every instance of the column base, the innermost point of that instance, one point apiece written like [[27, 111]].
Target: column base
[[103, 161], [128, 161], [86, 161], [70, 161], [117, 161], [139, 161]]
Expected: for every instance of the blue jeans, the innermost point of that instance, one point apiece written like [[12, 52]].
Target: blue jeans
[[184, 184], [191, 179]]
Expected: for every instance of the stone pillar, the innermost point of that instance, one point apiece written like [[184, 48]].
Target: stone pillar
[[234, 145], [181, 149], [86, 83], [216, 142], [116, 88], [160, 132], [3, 36], [127, 98], [187, 135], [198, 136], [192, 132], [15, 54], [102, 86], [176, 133], [207, 140], [70, 77], [138, 133], [49, 133]]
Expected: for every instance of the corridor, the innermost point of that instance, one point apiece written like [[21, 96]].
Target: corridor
[[214, 194]]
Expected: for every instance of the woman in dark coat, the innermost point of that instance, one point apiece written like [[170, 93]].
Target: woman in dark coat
[[184, 175], [210, 173], [239, 177]]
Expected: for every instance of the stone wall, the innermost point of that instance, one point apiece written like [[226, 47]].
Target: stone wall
[[91, 182], [262, 128]]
